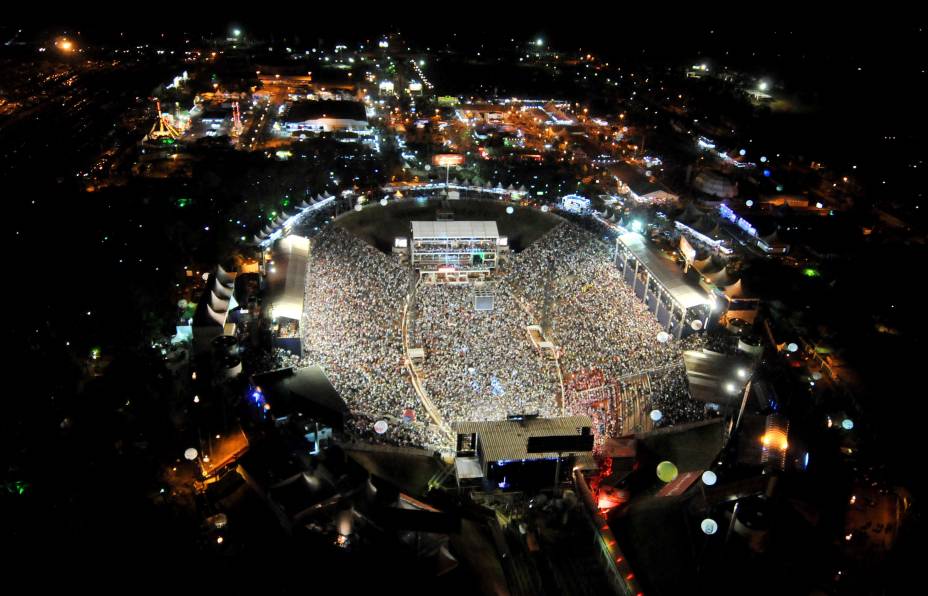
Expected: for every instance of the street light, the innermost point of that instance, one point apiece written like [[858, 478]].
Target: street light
[[709, 526]]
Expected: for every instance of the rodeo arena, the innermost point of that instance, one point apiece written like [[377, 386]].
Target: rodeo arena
[[453, 327], [518, 352]]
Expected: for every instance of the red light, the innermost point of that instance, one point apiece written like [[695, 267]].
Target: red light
[[630, 576]]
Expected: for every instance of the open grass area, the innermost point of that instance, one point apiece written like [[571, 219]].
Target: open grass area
[[379, 225]]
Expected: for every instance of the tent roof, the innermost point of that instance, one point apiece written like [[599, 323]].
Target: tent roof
[[736, 291], [722, 278], [218, 304]]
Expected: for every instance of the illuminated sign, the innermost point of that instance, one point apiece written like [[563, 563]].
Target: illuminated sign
[[448, 159]]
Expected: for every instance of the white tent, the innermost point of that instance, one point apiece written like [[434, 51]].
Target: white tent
[[218, 304], [220, 318]]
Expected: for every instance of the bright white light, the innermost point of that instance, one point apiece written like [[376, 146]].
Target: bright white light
[[762, 85], [709, 478], [383, 201], [742, 374], [237, 32], [510, 210], [743, 152], [709, 526], [539, 42], [749, 203]]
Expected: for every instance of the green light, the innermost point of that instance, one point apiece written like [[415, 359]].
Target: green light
[[285, 202], [183, 202], [810, 272]]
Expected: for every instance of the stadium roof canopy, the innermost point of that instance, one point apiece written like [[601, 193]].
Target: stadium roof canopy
[[667, 275], [306, 391], [288, 280], [508, 439], [426, 230]]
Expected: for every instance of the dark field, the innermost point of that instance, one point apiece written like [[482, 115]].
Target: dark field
[[378, 226]]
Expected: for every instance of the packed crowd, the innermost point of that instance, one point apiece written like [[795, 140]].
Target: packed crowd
[[480, 365], [351, 328], [596, 321]]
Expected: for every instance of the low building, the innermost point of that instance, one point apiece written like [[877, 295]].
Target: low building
[[324, 116]]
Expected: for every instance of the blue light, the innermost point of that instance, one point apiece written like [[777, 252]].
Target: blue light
[[767, 173]]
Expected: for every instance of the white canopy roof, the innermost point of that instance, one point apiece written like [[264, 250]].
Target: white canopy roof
[[454, 229], [662, 270]]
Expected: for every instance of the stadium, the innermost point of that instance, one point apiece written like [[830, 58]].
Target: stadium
[[544, 325]]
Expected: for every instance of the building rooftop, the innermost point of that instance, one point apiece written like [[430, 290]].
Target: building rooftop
[[305, 391], [301, 111], [508, 439]]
